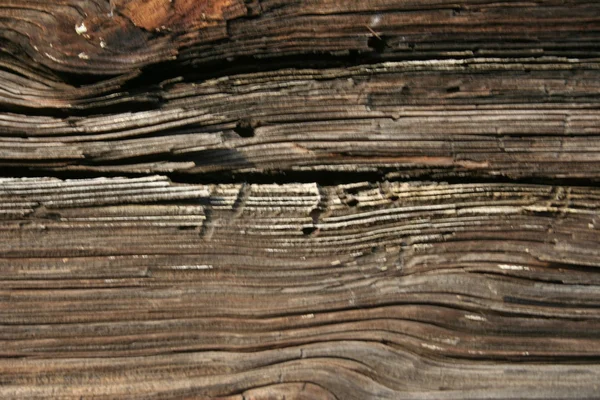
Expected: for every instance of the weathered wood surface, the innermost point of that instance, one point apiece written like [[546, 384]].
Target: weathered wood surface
[[479, 117], [312, 199], [390, 290], [82, 37]]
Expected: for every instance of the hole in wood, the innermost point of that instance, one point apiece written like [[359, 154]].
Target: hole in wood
[[352, 202], [309, 230], [244, 128], [378, 43]]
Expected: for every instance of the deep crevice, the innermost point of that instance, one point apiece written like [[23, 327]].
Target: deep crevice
[[323, 178]]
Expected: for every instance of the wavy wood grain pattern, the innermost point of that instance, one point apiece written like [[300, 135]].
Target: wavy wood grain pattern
[[144, 288], [471, 88], [517, 118], [89, 37], [434, 233]]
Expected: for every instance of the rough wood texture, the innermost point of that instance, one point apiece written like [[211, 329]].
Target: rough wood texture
[[299, 199], [82, 37], [483, 117], [387, 290]]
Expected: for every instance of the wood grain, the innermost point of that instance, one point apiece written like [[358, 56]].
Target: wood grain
[[516, 118], [42, 35], [299, 199], [120, 287]]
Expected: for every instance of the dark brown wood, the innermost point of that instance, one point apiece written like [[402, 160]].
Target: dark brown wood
[[299, 199], [83, 36]]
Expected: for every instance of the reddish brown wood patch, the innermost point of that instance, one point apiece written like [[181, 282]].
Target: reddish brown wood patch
[[158, 15]]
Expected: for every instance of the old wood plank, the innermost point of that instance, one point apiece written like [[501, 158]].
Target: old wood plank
[[85, 37], [482, 117], [308, 199], [393, 290]]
